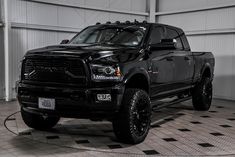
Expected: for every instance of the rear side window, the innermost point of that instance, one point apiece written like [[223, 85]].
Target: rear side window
[[173, 34], [157, 35]]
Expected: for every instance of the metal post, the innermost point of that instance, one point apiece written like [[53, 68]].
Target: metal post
[[152, 11], [6, 50]]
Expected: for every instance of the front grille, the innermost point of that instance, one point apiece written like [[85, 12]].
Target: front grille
[[54, 70]]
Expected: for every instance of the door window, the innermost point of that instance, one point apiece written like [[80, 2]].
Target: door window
[[157, 35], [172, 34]]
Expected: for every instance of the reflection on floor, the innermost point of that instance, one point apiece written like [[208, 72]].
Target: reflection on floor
[[176, 131]]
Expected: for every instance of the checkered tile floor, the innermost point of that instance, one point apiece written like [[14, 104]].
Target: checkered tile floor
[[176, 131]]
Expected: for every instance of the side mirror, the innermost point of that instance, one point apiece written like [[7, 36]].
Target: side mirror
[[165, 44], [66, 41]]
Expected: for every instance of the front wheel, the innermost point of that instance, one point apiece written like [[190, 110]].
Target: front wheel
[[132, 123], [37, 121], [202, 95]]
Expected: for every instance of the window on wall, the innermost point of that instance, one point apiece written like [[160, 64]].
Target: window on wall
[[173, 34], [157, 35]]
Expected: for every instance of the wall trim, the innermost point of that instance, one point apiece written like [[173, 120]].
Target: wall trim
[[45, 27], [210, 32], [193, 10], [91, 8]]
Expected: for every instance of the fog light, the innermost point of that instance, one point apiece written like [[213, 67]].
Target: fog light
[[104, 97]]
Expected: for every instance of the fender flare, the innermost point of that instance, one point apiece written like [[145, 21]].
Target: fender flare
[[136, 71], [204, 67]]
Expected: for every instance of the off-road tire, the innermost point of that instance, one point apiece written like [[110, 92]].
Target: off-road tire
[[202, 95], [132, 123], [37, 121]]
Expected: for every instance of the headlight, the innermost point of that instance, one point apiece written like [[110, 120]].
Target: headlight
[[100, 72]]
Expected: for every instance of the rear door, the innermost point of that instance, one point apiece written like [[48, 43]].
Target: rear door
[[183, 61], [161, 68]]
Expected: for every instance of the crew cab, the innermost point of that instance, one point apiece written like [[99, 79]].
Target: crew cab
[[119, 72]]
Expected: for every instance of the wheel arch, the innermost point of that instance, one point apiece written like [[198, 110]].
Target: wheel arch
[[206, 71], [138, 78]]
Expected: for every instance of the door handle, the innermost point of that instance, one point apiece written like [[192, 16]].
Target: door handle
[[186, 58], [169, 58]]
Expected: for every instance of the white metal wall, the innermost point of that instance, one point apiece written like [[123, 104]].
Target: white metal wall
[[38, 23], [210, 26]]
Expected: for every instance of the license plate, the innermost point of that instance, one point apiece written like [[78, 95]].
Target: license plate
[[46, 103]]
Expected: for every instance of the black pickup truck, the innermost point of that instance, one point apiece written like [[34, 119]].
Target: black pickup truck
[[118, 72]]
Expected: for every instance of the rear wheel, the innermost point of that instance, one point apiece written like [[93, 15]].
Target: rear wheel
[[202, 95], [39, 122], [132, 123]]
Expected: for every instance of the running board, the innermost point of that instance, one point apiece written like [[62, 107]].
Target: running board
[[159, 105]]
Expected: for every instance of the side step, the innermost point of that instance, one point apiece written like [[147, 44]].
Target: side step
[[161, 104]]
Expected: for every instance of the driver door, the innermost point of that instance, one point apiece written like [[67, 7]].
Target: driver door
[[161, 67]]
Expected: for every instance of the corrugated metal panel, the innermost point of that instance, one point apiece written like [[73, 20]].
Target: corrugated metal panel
[[37, 39], [138, 5], [100, 3], [42, 14], [71, 17], [170, 5], [91, 17], [220, 18], [120, 4], [17, 49], [18, 11], [188, 22]]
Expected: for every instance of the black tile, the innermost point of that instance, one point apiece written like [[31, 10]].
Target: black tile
[[169, 139], [216, 134], [82, 141], [81, 127], [205, 144], [168, 119], [219, 106], [10, 119], [155, 126], [232, 119], [195, 122], [107, 131], [52, 137], [114, 146], [184, 130], [226, 126], [180, 114], [24, 133], [205, 116], [150, 152], [213, 111]]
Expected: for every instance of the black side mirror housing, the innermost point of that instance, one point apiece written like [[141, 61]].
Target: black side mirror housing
[[165, 44], [65, 41]]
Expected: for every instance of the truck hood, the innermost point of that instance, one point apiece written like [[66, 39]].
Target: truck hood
[[90, 53]]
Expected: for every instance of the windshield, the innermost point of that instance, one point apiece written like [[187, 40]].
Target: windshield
[[113, 35]]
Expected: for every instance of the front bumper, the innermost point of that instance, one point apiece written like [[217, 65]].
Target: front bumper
[[71, 102]]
